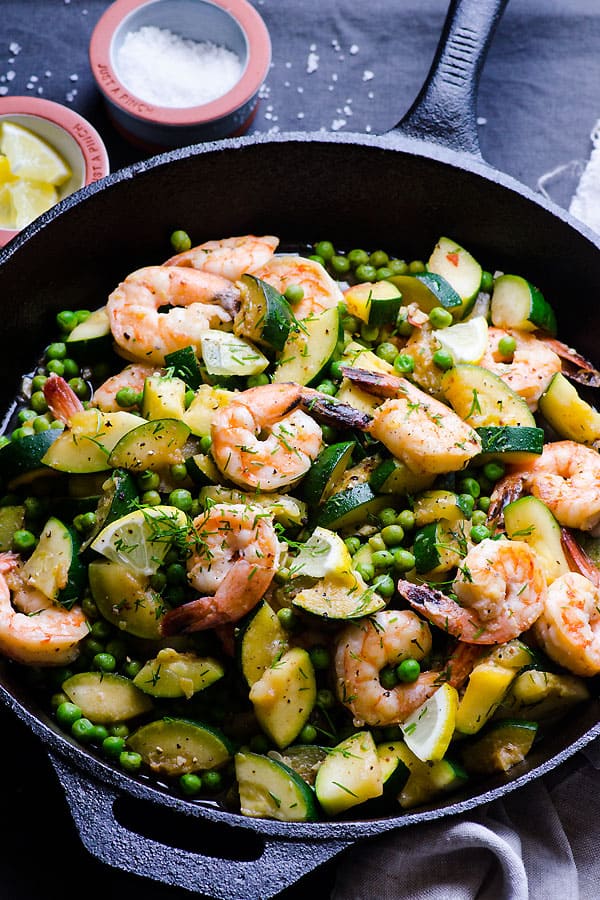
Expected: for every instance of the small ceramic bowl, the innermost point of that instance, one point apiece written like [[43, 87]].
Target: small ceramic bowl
[[231, 24], [70, 134]]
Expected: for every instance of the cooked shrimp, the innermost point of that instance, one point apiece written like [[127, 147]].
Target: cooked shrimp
[[569, 626], [231, 257], [419, 430], [261, 440], [33, 630], [236, 553], [364, 648], [566, 477], [62, 400], [574, 365], [500, 588], [320, 290], [132, 376], [531, 369], [199, 300]]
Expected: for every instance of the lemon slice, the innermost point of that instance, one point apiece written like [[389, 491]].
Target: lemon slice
[[324, 555], [429, 729], [467, 341], [30, 199], [30, 156], [7, 209], [5, 173], [141, 539]]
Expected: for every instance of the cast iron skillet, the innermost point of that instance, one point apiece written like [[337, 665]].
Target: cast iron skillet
[[401, 191]]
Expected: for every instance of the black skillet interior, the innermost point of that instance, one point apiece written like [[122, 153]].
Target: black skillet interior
[[392, 192]]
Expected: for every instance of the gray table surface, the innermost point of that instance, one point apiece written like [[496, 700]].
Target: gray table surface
[[339, 66]]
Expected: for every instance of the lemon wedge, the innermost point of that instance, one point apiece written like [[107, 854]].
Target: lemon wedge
[[30, 199], [29, 156], [141, 539], [324, 555], [7, 209], [467, 341], [429, 729], [5, 173]]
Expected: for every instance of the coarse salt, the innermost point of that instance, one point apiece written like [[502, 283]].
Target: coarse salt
[[166, 69]]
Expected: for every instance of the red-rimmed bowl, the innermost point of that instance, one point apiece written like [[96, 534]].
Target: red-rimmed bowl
[[70, 134], [233, 24]]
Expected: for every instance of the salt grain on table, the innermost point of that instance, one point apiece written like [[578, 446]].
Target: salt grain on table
[[168, 70]]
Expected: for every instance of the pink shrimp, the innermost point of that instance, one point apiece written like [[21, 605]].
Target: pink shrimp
[[229, 257]]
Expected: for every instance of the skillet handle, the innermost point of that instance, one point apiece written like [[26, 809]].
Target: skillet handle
[[445, 109], [258, 871]]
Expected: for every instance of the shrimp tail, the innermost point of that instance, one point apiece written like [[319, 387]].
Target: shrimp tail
[[62, 400], [433, 604], [238, 593], [578, 559], [574, 366], [333, 412], [460, 663], [376, 383], [506, 490]]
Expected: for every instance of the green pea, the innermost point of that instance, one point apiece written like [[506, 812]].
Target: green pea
[[89, 607], [366, 571], [57, 425], [387, 351], [151, 498], [443, 359], [176, 574], [384, 585], [487, 282], [181, 499], [190, 783], [325, 698], [440, 317], [26, 415], [158, 581], [40, 423], [113, 746], [148, 480], [71, 368], [408, 670], [383, 273], [99, 734], [494, 471], [470, 486], [287, 618], [353, 544], [406, 519], [85, 522], [57, 350], [180, 241], [403, 326], [83, 730], [66, 320], [340, 264], [387, 516], [131, 668], [104, 662], [466, 502], [57, 699], [79, 387], [119, 729], [484, 503], [23, 541], [175, 594], [126, 396], [212, 781], [358, 257], [38, 402], [404, 364], [478, 517], [188, 398], [55, 367], [101, 630], [118, 648], [479, 533], [351, 324], [507, 346], [383, 559], [398, 267], [259, 743], [369, 332], [82, 314], [308, 735], [416, 267], [205, 443], [67, 713], [388, 678], [257, 380], [178, 472], [327, 387], [366, 272], [294, 293], [320, 657], [404, 560], [379, 258], [130, 761], [324, 249], [376, 542], [392, 535], [318, 259]]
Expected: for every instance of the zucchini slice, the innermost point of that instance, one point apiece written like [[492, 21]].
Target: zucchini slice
[[227, 354], [332, 599], [265, 316], [24, 456], [545, 695], [528, 519], [481, 398], [309, 349], [439, 547], [163, 397], [427, 289], [426, 780], [150, 445], [177, 746], [207, 400], [269, 789], [174, 674], [392, 476], [87, 444], [518, 444], [202, 470], [461, 271], [431, 506], [11, 519], [284, 696], [304, 759], [326, 472], [516, 303], [568, 414], [505, 743], [91, 340], [105, 698], [54, 567], [119, 491], [377, 304], [125, 600], [284, 508], [350, 507], [184, 364], [260, 641], [350, 774]]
